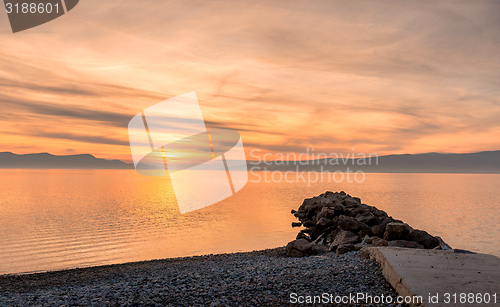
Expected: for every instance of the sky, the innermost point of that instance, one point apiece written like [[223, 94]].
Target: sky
[[385, 77]]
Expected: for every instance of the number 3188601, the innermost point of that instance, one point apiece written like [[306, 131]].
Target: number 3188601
[[32, 8]]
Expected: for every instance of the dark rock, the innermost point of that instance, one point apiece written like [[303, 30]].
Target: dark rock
[[308, 203], [359, 211], [376, 241], [296, 224], [308, 223], [298, 248], [366, 240], [422, 237], [326, 234], [349, 223], [363, 212], [379, 229], [336, 197], [324, 221], [302, 235], [363, 233], [368, 219], [379, 213], [322, 225], [325, 212], [345, 248], [318, 249], [442, 245], [320, 239], [300, 215], [351, 201], [293, 211], [389, 220], [333, 234], [405, 244], [344, 237], [320, 214], [315, 209], [339, 209], [396, 231]]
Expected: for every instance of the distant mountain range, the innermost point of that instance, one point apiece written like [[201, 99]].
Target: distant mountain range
[[46, 160], [487, 162]]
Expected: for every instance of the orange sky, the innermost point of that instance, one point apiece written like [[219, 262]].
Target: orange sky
[[377, 76]]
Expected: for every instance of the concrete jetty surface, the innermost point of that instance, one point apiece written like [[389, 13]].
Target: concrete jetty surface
[[441, 278]]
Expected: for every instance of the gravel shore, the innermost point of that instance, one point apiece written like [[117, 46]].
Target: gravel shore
[[259, 278]]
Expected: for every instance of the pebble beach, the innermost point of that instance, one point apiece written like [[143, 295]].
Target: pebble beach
[[259, 278]]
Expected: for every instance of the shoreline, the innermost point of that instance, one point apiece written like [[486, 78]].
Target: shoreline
[[81, 272]]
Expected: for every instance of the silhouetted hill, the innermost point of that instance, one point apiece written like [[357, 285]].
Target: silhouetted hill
[[46, 160], [487, 162]]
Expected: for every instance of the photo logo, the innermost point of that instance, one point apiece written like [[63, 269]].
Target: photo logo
[[27, 14], [205, 165]]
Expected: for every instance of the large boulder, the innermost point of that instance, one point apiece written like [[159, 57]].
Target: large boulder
[[344, 237], [376, 241], [308, 223], [326, 212], [422, 237], [302, 247], [324, 221], [351, 224], [336, 197], [332, 234], [378, 230], [339, 209], [350, 201], [378, 212], [345, 248], [302, 235], [368, 219], [308, 204], [396, 231], [321, 226]]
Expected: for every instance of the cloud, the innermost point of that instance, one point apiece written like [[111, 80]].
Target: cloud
[[387, 76], [80, 138], [68, 111]]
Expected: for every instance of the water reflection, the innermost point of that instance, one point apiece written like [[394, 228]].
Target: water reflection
[[53, 219]]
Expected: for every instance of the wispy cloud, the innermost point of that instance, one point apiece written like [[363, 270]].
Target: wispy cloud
[[385, 76]]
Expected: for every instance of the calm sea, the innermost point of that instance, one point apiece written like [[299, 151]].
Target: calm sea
[[56, 219]]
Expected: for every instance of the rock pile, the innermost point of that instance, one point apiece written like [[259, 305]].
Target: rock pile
[[341, 223]]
